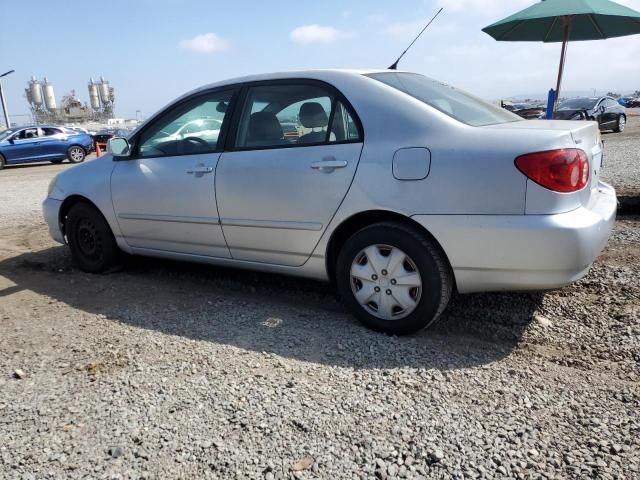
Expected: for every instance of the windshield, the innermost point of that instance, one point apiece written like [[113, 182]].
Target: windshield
[[453, 102], [578, 104], [4, 134]]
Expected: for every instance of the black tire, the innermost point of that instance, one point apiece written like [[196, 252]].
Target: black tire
[[56, 162], [76, 154], [93, 246], [2, 162], [620, 124], [429, 260]]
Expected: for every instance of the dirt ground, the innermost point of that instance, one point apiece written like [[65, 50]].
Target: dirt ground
[[168, 370]]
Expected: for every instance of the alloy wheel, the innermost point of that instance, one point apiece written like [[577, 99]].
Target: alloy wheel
[[76, 154], [385, 282]]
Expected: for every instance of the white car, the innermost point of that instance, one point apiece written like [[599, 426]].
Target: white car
[[400, 190]]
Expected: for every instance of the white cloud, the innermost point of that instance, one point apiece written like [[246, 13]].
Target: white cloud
[[313, 33], [205, 43]]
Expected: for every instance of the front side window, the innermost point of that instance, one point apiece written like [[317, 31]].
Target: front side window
[[26, 134], [294, 115], [192, 127], [453, 102]]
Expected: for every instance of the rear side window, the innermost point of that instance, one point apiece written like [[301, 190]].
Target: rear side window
[[294, 115], [457, 104], [48, 131]]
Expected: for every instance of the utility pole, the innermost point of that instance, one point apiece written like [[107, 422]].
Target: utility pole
[[4, 103]]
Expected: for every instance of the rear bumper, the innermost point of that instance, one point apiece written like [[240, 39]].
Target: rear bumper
[[523, 252], [51, 214]]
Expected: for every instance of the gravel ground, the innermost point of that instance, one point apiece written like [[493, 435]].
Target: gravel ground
[[167, 370], [622, 156]]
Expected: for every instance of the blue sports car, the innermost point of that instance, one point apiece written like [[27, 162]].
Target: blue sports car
[[43, 143]]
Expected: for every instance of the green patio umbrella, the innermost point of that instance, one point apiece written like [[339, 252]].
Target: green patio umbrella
[[564, 21]]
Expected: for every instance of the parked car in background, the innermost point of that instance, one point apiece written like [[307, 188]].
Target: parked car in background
[[609, 114], [629, 102], [528, 111], [400, 190], [102, 136], [39, 143]]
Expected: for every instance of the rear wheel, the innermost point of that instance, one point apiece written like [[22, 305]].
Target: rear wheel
[[76, 154], [91, 241], [622, 122], [393, 278]]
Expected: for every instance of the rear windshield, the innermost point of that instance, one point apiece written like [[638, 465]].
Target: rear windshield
[[453, 102], [578, 104]]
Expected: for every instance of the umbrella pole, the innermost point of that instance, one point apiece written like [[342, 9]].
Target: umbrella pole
[[563, 54]]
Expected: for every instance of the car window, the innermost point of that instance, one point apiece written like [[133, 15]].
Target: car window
[[27, 133], [286, 115], [48, 131], [457, 104], [190, 128]]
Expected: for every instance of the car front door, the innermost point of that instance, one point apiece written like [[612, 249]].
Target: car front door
[[164, 195], [21, 146], [277, 194]]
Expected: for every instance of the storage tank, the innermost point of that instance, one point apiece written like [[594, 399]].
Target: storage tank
[[49, 96], [104, 90], [94, 96], [35, 88]]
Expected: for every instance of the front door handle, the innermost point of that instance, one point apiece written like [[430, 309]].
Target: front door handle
[[329, 165], [200, 170]]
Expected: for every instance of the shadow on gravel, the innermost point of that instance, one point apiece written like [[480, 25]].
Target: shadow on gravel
[[290, 317]]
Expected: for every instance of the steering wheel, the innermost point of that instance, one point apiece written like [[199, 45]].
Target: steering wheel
[[187, 145]]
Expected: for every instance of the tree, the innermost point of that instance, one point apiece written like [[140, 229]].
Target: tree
[[614, 95]]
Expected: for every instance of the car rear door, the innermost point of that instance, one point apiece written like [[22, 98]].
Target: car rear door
[[164, 195], [51, 144], [277, 194]]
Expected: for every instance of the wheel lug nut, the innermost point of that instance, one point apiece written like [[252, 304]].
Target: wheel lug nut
[[388, 292], [384, 272], [376, 289], [393, 281], [374, 277]]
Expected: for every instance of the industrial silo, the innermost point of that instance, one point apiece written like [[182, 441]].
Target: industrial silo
[[35, 90], [94, 96], [49, 96]]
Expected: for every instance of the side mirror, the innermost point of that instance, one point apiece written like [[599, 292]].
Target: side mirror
[[118, 147]]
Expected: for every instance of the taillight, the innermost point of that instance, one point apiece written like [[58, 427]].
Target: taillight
[[565, 170]]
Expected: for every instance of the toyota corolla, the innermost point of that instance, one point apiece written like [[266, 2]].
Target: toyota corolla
[[399, 189]]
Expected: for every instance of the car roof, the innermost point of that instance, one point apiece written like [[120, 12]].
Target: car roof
[[328, 75]]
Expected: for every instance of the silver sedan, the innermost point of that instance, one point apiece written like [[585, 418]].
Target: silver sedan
[[397, 188]]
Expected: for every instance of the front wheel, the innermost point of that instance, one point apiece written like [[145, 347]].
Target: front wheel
[[76, 154], [393, 278], [90, 239], [2, 162], [622, 122]]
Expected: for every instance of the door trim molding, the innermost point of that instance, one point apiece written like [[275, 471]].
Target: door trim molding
[[277, 224], [170, 218]]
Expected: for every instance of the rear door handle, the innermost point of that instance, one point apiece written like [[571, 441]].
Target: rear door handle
[[329, 165]]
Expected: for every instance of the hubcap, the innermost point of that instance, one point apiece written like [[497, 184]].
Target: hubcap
[[385, 281], [622, 123], [76, 154], [89, 240]]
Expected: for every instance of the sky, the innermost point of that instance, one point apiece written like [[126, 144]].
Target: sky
[[155, 50]]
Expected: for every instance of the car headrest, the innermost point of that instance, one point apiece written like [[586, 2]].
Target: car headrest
[[312, 115], [264, 127]]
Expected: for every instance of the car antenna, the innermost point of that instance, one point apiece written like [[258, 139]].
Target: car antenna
[[395, 64]]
